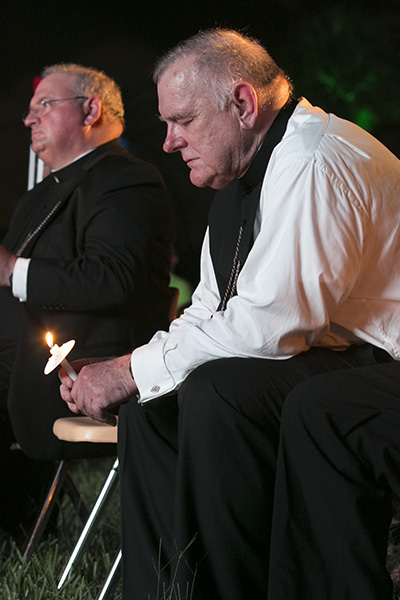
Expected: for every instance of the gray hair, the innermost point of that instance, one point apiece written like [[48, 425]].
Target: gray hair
[[92, 82], [224, 57]]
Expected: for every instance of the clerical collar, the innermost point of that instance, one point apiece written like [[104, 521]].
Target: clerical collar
[[70, 170], [256, 171]]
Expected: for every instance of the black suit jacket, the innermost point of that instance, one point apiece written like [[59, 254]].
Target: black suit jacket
[[99, 274]]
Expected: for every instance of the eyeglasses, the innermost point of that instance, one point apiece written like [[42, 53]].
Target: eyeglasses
[[44, 104]]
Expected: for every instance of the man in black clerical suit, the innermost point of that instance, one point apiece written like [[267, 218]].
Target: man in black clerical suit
[[86, 256]]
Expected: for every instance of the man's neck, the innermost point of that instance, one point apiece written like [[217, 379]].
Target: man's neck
[[265, 123], [72, 161]]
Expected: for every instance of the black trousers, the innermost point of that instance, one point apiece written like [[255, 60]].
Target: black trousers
[[7, 355], [338, 467], [9, 495], [23, 480], [197, 477]]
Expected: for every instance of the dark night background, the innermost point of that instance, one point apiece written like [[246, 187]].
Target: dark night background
[[343, 56]]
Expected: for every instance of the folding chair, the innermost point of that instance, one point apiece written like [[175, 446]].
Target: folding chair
[[84, 429], [74, 429]]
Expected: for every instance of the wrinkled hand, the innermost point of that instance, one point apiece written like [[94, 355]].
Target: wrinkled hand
[[7, 262], [100, 386]]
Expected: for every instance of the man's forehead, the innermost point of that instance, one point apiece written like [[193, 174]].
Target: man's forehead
[[182, 69], [178, 93], [56, 83], [173, 106]]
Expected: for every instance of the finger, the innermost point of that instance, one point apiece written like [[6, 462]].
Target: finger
[[65, 394], [73, 408], [65, 378]]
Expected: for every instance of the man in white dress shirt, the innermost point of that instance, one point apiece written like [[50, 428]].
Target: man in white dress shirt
[[297, 279]]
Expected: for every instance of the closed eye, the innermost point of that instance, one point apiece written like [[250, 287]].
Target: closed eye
[[185, 121], [178, 119]]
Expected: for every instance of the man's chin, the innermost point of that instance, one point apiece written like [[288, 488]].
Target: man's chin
[[215, 183], [202, 180], [37, 148], [198, 182]]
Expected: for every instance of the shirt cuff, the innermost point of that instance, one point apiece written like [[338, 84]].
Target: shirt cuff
[[150, 372], [20, 279]]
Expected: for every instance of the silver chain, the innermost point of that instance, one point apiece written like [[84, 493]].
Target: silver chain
[[35, 231], [231, 287]]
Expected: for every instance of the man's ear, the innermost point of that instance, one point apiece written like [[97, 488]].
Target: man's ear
[[245, 103], [93, 110]]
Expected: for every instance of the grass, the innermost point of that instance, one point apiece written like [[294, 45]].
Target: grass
[[36, 578], [393, 558]]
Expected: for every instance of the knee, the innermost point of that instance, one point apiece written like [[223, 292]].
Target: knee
[[209, 395], [232, 388], [304, 398], [310, 400], [224, 381]]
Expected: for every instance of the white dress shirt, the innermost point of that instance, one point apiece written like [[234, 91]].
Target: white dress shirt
[[324, 268]]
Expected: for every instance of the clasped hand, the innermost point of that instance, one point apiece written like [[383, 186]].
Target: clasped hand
[[101, 385]]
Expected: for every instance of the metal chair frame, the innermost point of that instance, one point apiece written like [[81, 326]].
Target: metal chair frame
[[61, 480], [81, 429], [85, 537]]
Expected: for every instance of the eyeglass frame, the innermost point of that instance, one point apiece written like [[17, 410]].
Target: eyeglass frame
[[48, 103]]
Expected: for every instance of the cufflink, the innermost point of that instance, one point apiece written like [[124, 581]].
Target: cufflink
[[155, 388]]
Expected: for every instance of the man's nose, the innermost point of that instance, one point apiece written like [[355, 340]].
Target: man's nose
[[29, 118], [174, 141]]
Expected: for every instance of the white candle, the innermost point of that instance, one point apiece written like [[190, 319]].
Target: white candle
[[58, 357], [68, 369]]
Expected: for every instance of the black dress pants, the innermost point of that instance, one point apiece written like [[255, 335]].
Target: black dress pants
[[197, 477], [338, 467], [7, 497], [23, 480]]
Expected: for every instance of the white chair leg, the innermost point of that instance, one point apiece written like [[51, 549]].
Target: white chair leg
[[111, 579], [94, 516]]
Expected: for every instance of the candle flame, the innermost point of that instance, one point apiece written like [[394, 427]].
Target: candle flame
[[49, 339]]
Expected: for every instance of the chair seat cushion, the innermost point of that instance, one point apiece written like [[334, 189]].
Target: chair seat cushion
[[84, 429]]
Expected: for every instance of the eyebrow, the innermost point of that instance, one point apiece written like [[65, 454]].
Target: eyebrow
[[39, 100], [176, 117]]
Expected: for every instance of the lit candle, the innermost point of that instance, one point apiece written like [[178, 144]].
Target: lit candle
[[58, 357]]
